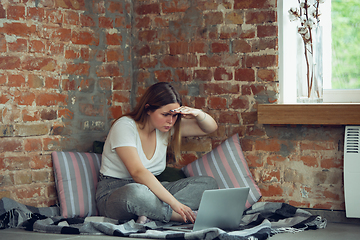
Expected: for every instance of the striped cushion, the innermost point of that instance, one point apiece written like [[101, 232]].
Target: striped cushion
[[76, 176], [228, 166]]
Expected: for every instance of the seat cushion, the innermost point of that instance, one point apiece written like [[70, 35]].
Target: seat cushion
[[226, 163], [76, 177]]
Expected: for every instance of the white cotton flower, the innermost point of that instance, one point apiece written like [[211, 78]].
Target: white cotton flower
[[302, 30], [311, 22], [311, 10], [307, 36], [292, 17], [303, 19]]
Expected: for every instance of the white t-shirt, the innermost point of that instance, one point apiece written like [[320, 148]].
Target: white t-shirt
[[124, 133]]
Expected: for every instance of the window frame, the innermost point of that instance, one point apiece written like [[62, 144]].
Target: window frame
[[287, 67]]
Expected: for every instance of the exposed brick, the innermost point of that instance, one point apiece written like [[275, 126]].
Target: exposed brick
[[241, 46], [22, 177], [60, 34], [16, 81], [32, 144], [28, 192], [15, 163], [142, 22], [30, 116], [214, 18], [248, 4], [310, 161], [3, 43], [77, 69], [175, 6], [116, 7], [20, 45], [229, 117], [51, 144], [217, 103], [10, 145], [202, 75], [153, 8], [87, 21], [240, 103], [54, 16], [105, 84], [40, 176], [2, 12], [39, 63], [179, 48], [147, 35], [269, 176], [36, 46], [6, 130], [261, 61], [191, 145], [267, 75], [71, 18], [115, 112], [229, 32], [245, 74], [24, 98], [271, 190], [87, 38], [180, 61], [31, 130], [105, 22], [50, 99], [220, 88], [260, 17], [234, 18], [121, 96], [328, 163], [35, 13], [188, 158], [210, 61], [107, 70], [48, 114], [267, 31], [223, 74], [249, 117], [264, 43], [71, 4], [219, 47], [18, 29], [198, 47], [9, 62], [16, 12], [163, 75]]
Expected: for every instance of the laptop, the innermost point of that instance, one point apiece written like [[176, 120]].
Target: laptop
[[220, 208]]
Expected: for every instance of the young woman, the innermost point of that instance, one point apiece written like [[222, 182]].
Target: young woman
[[135, 152]]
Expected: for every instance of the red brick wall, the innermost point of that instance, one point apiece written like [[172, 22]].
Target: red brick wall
[[64, 74], [68, 67]]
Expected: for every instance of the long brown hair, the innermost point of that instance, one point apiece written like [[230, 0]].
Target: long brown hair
[[156, 96]]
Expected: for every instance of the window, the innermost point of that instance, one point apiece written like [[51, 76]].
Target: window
[[287, 51]]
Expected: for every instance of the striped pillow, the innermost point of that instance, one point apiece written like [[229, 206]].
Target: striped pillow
[[76, 176], [228, 166]]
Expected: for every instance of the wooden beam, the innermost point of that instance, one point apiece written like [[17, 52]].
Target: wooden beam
[[322, 114]]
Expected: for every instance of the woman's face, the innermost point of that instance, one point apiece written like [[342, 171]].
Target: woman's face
[[162, 118]]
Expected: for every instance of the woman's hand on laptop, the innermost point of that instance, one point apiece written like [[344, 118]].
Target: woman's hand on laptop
[[184, 212]]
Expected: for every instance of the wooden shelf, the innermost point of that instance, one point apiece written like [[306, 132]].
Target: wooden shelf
[[319, 114]]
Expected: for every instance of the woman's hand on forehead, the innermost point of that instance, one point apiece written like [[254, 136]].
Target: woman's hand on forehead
[[186, 111]]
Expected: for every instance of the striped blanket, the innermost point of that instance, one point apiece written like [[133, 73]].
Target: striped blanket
[[262, 220]]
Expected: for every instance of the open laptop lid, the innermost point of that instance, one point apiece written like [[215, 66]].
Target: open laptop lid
[[221, 208]]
